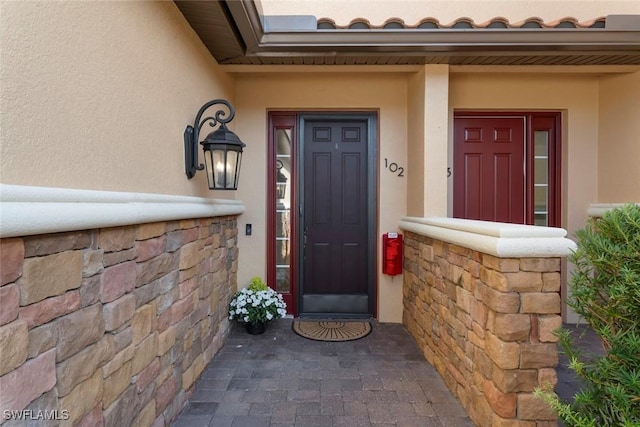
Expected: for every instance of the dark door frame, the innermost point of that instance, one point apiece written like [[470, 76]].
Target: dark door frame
[[371, 119]]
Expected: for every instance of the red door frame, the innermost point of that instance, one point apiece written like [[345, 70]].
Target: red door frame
[[535, 121], [276, 121], [289, 120]]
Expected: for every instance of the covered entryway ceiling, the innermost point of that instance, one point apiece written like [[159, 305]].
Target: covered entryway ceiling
[[236, 33]]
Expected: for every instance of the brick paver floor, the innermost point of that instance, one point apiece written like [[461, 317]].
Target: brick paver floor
[[282, 379]]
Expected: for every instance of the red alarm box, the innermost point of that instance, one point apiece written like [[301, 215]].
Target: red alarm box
[[392, 253]]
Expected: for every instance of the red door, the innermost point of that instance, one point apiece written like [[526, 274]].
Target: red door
[[489, 168]]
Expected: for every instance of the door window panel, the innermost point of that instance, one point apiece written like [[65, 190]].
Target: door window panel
[[283, 209], [541, 178]]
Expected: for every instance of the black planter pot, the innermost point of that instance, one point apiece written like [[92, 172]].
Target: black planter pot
[[255, 328]]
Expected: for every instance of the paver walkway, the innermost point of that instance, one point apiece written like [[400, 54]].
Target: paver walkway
[[282, 379]]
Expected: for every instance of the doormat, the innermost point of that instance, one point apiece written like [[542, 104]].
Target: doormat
[[331, 330]]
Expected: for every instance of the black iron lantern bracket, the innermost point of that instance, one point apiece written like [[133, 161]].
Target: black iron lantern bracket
[[192, 133], [224, 174]]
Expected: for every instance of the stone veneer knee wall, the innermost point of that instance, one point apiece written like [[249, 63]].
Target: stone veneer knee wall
[[486, 324], [113, 326]]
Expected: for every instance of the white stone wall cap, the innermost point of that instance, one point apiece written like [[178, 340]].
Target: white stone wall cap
[[499, 239], [29, 210], [598, 209]]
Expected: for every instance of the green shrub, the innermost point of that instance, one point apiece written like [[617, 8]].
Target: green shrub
[[605, 292]]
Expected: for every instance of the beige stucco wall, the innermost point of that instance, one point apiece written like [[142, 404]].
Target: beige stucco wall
[[446, 11], [619, 139], [96, 95], [257, 93]]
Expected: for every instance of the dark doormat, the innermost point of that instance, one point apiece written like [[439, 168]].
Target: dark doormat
[[331, 330]]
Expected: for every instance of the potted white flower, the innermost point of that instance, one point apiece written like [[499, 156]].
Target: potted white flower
[[256, 305]]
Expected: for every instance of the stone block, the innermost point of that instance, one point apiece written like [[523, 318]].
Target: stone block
[[113, 258], [123, 410], [504, 354], [147, 249], [547, 376], [547, 324], [156, 268], [495, 279], [92, 419], [551, 282], [147, 375], [81, 366], [35, 377], [189, 233], [42, 338], [150, 230], [145, 352], [118, 312], [514, 380], [540, 264], [50, 275], [92, 262], [120, 358], [9, 303], [143, 322], [123, 338], [51, 308], [523, 281], [539, 355], [14, 339], [503, 404], [11, 259], [90, 290], [115, 384], [190, 255], [117, 280], [500, 302], [532, 408], [147, 415], [147, 293], [186, 287], [166, 340], [165, 394], [39, 245], [540, 303], [82, 399], [511, 327], [505, 265], [79, 330], [497, 421], [116, 239]]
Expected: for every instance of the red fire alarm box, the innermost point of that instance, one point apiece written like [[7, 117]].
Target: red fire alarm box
[[392, 253]]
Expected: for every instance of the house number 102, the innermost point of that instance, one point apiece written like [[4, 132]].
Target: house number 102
[[393, 167]]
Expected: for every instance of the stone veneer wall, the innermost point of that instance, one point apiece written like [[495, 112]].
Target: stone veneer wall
[[486, 324], [113, 326]]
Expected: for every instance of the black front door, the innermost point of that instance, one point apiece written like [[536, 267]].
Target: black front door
[[337, 277]]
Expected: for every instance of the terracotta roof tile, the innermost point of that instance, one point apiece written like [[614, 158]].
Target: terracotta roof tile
[[461, 23]]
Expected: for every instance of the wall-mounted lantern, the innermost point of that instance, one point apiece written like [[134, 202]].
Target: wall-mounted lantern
[[222, 148], [281, 181]]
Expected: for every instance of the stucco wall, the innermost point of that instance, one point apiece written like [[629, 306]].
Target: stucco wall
[[619, 139], [96, 95], [377, 11], [256, 93]]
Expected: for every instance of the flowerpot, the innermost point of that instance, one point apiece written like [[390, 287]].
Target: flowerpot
[[256, 328]]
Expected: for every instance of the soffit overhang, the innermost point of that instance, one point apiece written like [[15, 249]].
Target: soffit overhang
[[234, 33]]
